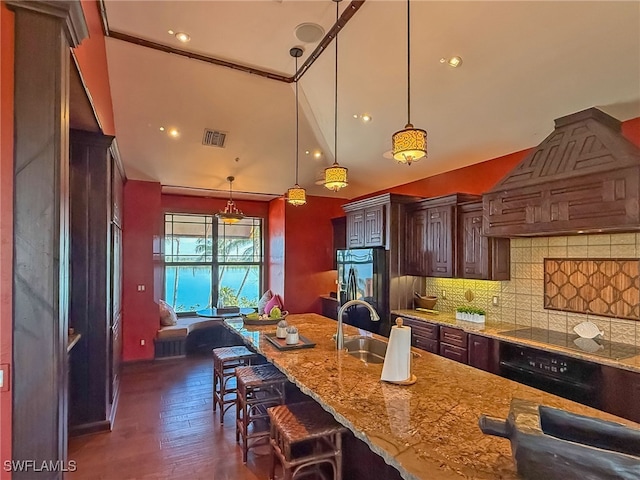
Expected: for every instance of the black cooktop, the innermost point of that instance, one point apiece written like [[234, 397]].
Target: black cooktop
[[597, 346]]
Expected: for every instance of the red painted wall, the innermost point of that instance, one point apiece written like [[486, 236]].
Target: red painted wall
[[6, 223], [92, 60], [631, 130], [309, 253], [141, 223], [276, 241]]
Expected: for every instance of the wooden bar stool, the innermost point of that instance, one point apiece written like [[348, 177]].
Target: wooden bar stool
[[259, 387], [225, 361], [304, 435]]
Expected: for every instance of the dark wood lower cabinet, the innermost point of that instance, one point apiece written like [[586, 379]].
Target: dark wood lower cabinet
[[453, 353], [484, 353], [620, 392], [425, 344], [330, 307]]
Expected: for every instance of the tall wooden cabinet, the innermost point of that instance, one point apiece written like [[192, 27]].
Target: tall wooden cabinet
[[95, 293]]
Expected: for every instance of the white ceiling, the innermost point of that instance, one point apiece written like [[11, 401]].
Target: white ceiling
[[524, 65]]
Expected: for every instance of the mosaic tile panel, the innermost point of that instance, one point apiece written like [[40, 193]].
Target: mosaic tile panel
[[607, 287]]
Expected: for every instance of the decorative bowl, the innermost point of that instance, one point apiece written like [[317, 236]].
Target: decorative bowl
[[424, 302], [264, 321], [588, 330]]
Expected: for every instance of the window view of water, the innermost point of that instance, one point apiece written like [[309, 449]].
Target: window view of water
[[194, 257]]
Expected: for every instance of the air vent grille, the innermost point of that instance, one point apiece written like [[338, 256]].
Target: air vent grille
[[213, 138]]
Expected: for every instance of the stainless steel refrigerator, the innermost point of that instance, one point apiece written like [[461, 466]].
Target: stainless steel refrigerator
[[362, 274]]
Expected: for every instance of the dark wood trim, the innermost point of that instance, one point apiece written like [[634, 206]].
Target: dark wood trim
[[41, 236], [115, 153], [86, 90], [348, 13], [75, 25]]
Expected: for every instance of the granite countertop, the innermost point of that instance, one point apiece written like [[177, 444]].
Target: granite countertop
[[428, 430], [494, 330]]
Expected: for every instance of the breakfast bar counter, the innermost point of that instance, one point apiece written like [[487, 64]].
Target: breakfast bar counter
[[428, 430]]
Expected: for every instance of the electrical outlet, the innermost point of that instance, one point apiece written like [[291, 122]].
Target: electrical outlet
[[142, 343], [495, 300], [444, 294]]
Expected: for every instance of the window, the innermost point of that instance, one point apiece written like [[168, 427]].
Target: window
[[198, 276]]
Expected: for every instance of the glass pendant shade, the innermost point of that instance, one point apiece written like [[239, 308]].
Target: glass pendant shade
[[297, 195], [409, 144], [335, 177]]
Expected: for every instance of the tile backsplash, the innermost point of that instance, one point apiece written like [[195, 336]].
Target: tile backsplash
[[521, 300]]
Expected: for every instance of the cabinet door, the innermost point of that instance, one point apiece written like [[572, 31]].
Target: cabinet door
[[415, 258], [453, 336], [479, 356], [440, 241], [374, 226], [620, 392], [474, 261], [355, 229], [426, 344]]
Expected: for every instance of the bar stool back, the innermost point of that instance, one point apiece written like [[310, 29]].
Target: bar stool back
[[304, 435], [259, 387], [225, 361]]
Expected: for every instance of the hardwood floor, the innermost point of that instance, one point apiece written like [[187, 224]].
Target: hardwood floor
[[165, 429]]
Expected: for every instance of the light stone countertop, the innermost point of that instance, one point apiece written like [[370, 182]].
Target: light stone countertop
[[428, 430], [494, 330]]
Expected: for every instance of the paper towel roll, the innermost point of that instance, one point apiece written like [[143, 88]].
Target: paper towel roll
[[397, 361]]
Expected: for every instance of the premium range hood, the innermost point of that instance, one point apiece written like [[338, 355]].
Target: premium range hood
[[583, 178]]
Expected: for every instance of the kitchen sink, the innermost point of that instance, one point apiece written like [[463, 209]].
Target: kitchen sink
[[367, 349]]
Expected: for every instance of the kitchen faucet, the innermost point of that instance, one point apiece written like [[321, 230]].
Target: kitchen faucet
[[339, 335]]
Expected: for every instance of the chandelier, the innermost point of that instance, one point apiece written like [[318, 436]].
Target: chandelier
[[335, 176], [230, 214], [409, 144]]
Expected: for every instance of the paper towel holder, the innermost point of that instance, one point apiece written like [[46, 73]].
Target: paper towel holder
[[412, 379]]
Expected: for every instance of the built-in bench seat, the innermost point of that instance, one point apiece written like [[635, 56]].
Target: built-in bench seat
[[170, 341]]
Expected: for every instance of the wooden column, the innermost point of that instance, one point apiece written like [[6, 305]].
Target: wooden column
[[44, 31]]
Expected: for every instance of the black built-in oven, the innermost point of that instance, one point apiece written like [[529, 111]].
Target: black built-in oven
[[554, 373]]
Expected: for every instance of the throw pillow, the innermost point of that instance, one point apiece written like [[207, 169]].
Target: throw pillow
[[268, 295], [275, 301], [168, 316]]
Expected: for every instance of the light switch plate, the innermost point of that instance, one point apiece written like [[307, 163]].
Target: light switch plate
[[4, 377]]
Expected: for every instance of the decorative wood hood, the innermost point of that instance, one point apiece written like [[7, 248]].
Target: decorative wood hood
[[583, 178]]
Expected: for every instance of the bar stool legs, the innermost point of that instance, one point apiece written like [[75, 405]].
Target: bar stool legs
[[225, 361], [259, 387], [302, 436]]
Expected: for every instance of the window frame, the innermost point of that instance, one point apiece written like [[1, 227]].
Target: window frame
[[214, 263]]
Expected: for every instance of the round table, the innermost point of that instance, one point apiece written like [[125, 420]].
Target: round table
[[212, 313]]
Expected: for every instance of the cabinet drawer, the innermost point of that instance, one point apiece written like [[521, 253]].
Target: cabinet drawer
[[424, 329], [454, 353], [423, 343], [453, 336]]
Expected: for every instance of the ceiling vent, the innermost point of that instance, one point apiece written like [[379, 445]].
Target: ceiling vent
[[213, 138]]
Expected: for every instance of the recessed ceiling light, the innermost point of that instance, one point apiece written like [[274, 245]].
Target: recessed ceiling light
[[183, 37], [454, 62], [355, 115], [170, 32], [366, 118], [317, 154], [162, 129], [306, 152], [173, 132]]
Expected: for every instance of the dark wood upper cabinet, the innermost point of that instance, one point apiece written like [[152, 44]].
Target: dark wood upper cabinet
[[443, 238], [355, 229], [415, 257], [369, 221], [480, 257], [441, 241]]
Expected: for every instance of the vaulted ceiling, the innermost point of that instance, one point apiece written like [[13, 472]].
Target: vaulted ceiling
[[524, 64]]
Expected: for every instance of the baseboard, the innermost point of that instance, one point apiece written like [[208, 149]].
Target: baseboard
[[89, 428]]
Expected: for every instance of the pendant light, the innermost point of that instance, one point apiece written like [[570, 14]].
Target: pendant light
[[409, 144], [230, 214], [335, 176], [296, 195]]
